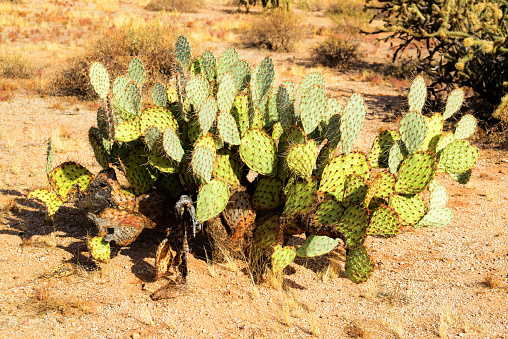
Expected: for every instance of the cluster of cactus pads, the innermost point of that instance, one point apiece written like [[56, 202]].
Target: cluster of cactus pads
[[265, 162]]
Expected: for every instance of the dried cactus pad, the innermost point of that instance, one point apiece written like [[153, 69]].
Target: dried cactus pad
[[415, 173], [458, 157], [316, 245], [64, 177], [359, 266], [212, 199], [378, 154], [99, 249], [465, 127], [384, 221], [99, 78], [301, 159], [50, 200], [281, 257], [257, 151], [417, 94]]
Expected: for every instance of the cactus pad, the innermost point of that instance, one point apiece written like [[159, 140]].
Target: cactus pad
[[159, 117], [226, 61], [281, 257], [99, 249], [226, 93], [358, 266], [266, 235], [351, 121], [127, 131], [49, 156], [328, 213], [438, 197], [434, 131], [465, 127], [316, 245], [299, 197], [98, 149], [410, 209], [212, 199], [384, 221], [415, 173], [301, 159], [197, 91], [461, 178], [355, 190], [172, 145], [203, 158], [228, 130], [268, 194], [353, 224], [312, 107], [207, 114], [458, 157], [263, 79], [208, 65], [436, 217], [50, 200], [241, 74], [257, 151], [164, 164], [378, 154], [183, 52], [413, 130], [159, 95], [64, 177], [284, 102], [99, 78], [381, 186], [453, 103], [138, 174], [417, 94], [396, 155]]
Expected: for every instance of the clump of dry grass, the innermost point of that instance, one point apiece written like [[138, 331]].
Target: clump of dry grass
[[16, 67], [114, 48], [276, 31], [493, 282], [44, 303], [351, 16], [336, 51], [184, 6]]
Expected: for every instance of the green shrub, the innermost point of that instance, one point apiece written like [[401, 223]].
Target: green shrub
[[275, 31], [336, 51], [460, 42], [151, 42]]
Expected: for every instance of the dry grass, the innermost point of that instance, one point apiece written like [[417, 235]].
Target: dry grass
[[183, 6], [44, 303], [494, 282], [355, 329], [336, 51], [350, 15], [276, 31], [150, 41], [16, 67]]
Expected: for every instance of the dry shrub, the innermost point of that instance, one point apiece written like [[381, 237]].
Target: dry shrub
[[276, 31], [115, 48], [16, 67], [351, 16], [336, 51], [185, 6]]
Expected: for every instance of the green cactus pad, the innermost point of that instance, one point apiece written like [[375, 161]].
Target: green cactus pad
[[49, 156], [63, 178], [415, 173], [127, 131], [352, 121], [299, 196], [284, 102], [226, 93], [183, 52], [227, 168], [207, 114], [153, 139], [136, 72], [410, 209], [380, 150], [316, 245], [301, 159], [309, 81], [50, 200], [99, 249], [381, 186], [438, 197], [170, 184], [453, 103], [159, 117], [197, 90], [159, 95], [384, 221], [138, 174], [241, 74], [458, 157], [195, 68], [353, 224], [240, 112], [212, 199], [266, 235], [263, 79], [434, 131], [465, 127], [203, 158], [129, 101], [358, 266], [164, 164], [208, 65], [312, 107], [99, 78], [413, 130], [172, 94], [98, 149], [446, 139], [228, 129], [355, 189], [396, 155], [268, 194], [226, 61], [461, 178], [328, 213], [172, 145], [436, 217], [282, 257], [336, 171], [277, 131], [417, 94], [257, 151], [332, 108]]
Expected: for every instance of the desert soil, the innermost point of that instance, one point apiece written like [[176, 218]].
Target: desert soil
[[449, 282]]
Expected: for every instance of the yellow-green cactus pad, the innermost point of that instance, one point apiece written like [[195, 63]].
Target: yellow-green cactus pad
[[64, 177], [50, 200], [99, 249]]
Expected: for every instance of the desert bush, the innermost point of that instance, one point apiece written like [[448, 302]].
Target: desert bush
[[151, 42], [351, 16], [336, 51], [276, 31], [458, 43], [185, 6], [16, 67]]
